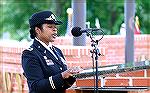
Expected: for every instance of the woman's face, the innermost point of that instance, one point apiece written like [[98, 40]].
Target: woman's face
[[47, 34]]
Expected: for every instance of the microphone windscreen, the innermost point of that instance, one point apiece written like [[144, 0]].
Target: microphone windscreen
[[76, 31]]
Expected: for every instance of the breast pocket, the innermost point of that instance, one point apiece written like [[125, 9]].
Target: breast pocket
[[52, 69]]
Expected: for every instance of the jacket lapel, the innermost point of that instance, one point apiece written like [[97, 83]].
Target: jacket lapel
[[46, 52]]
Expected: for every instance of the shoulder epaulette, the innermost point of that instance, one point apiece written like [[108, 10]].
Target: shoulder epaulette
[[30, 49]]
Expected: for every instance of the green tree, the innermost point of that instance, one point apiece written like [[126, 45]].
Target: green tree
[[142, 11], [14, 15], [111, 14]]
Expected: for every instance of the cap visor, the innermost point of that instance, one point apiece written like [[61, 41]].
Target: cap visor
[[53, 22]]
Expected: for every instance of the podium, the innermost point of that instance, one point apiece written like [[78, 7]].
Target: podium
[[121, 80]]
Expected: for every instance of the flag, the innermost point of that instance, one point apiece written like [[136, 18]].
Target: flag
[[137, 26]]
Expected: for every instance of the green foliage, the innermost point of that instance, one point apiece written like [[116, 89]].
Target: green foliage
[[14, 15], [142, 8], [108, 12]]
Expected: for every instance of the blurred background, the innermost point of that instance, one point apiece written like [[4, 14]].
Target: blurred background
[[109, 14], [123, 45]]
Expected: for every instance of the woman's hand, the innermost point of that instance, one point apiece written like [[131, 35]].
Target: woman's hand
[[71, 71]]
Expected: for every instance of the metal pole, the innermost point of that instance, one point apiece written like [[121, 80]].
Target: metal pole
[[129, 41], [79, 19]]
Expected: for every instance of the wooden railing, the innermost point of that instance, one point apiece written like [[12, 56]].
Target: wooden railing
[[13, 82]]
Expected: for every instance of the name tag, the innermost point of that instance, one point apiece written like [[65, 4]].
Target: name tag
[[49, 62]]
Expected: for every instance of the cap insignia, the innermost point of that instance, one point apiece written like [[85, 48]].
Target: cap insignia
[[52, 17]]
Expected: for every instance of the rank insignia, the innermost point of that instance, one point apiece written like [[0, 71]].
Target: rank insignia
[[49, 62]]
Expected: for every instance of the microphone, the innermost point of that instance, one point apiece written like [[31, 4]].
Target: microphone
[[76, 31]]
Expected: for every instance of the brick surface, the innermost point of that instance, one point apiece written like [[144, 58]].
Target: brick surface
[[86, 83], [111, 46], [70, 91], [141, 82], [116, 82]]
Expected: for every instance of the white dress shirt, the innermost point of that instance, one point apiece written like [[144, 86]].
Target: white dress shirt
[[47, 47]]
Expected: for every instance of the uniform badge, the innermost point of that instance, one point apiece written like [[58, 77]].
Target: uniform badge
[[45, 57], [49, 62], [52, 17], [30, 49]]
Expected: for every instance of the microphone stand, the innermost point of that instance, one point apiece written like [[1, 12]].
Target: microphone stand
[[97, 54]]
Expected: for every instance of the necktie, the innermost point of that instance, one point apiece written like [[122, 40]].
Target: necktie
[[55, 52], [58, 56]]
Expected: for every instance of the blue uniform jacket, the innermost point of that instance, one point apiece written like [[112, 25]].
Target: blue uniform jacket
[[39, 65]]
